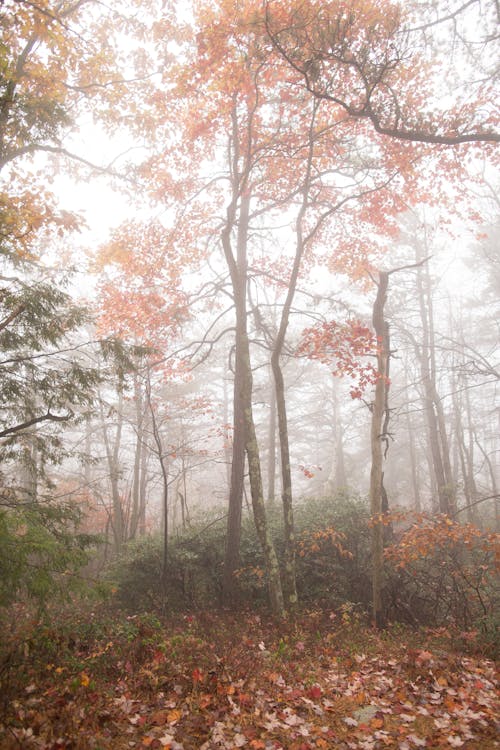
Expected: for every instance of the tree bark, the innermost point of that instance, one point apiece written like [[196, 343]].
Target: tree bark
[[376, 440], [244, 434], [289, 577], [271, 459], [137, 484], [438, 439], [112, 455], [163, 461]]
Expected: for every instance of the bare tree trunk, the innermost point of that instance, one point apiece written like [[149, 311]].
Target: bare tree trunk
[[376, 440], [233, 535], [271, 459], [112, 455], [163, 461], [433, 407], [289, 577], [142, 491], [415, 483], [227, 433], [337, 476], [244, 426], [379, 436], [138, 452], [340, 474]]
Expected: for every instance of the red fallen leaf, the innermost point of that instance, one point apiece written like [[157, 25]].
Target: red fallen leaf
[[315, 692], [424, 656], [197, 675], [158, 657]]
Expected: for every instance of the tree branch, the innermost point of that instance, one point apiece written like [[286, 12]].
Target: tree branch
[[30, 422]]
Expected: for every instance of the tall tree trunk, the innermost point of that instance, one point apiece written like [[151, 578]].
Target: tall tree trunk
[[376, 440], [438, 439], [379, 436], [113, 459], [339, 472], [233, 534], [143, 482], [227, 433], [289, 577], [244, 433], [163, 461], [417, 502], [138, 452], [271, 456]]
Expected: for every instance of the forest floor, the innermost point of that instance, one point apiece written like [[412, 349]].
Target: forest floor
[[114, 682]]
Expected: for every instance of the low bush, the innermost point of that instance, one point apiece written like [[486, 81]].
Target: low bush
[[442, 573], [439, 573], [332, 560]]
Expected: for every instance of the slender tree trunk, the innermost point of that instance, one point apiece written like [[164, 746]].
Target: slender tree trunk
[[259, 509], [139, 450], [417, 502], [376, 440], [433, 407], [163, 461], [244, 435], [339, 472], [271, 460], [233, 534], [143, 482], [289, 578], [227, 439], [112, 455]]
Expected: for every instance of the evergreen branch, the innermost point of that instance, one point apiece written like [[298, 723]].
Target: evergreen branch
[[48, 416]]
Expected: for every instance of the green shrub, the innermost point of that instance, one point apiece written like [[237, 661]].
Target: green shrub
[[332, 561], [193, 577]]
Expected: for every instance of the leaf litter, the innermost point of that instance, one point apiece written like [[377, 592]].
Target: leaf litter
[[225, 682]]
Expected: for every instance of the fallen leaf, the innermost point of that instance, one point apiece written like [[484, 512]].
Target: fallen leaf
[[455, 741], [174, 716], [350, 721]]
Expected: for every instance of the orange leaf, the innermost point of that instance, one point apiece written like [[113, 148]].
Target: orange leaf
[[159, 718], [174, 715], [204, 700]]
